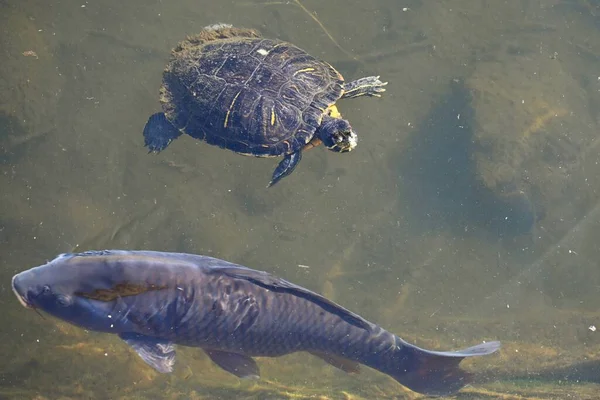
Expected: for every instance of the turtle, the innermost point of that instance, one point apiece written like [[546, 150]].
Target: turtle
[[232, 88]]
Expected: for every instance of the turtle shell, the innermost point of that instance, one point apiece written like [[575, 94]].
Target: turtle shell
[[252, 95]]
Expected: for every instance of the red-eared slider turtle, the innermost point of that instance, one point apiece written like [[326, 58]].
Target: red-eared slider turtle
[[266, 98]]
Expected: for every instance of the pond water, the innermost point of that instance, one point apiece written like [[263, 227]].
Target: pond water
[[466, 213]]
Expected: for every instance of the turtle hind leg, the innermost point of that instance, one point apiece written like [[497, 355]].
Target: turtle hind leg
[[285, 167], [159, 133], [367, 86]]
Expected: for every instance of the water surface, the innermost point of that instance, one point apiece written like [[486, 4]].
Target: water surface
[[466, 213]]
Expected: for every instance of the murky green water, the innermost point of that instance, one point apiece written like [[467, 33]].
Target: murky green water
[[468, 212]]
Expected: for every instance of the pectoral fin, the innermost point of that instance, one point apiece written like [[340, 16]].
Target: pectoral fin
[[157, 353], [349, 366], [241, 366]]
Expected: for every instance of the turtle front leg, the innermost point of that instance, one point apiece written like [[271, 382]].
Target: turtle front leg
[[367, 86], [159, 133], [285, 167]]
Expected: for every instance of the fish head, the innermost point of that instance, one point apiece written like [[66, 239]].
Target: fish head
[[60, 288]]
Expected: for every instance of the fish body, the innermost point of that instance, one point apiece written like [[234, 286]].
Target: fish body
[[155, 300]]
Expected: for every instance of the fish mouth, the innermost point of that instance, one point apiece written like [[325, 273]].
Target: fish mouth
[[20, 297]]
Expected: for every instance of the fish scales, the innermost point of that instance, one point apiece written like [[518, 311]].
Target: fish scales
[[279, 323], [156, 300]]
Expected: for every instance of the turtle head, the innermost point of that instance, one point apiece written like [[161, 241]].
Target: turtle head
[[337, 134]]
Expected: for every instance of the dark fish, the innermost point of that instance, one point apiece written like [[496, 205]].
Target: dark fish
[[155, 300]]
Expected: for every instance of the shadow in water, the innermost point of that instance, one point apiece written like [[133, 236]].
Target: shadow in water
[[9, 125], [585, 371], [439, 178]]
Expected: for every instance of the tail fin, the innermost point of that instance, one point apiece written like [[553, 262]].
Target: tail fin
[[435, 372]]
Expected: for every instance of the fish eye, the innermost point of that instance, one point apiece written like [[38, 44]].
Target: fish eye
[[46, 289]]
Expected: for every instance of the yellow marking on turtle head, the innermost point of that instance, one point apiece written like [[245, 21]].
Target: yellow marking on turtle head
[[309, 69], [230, 108], [333, 111], [272, 116]]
